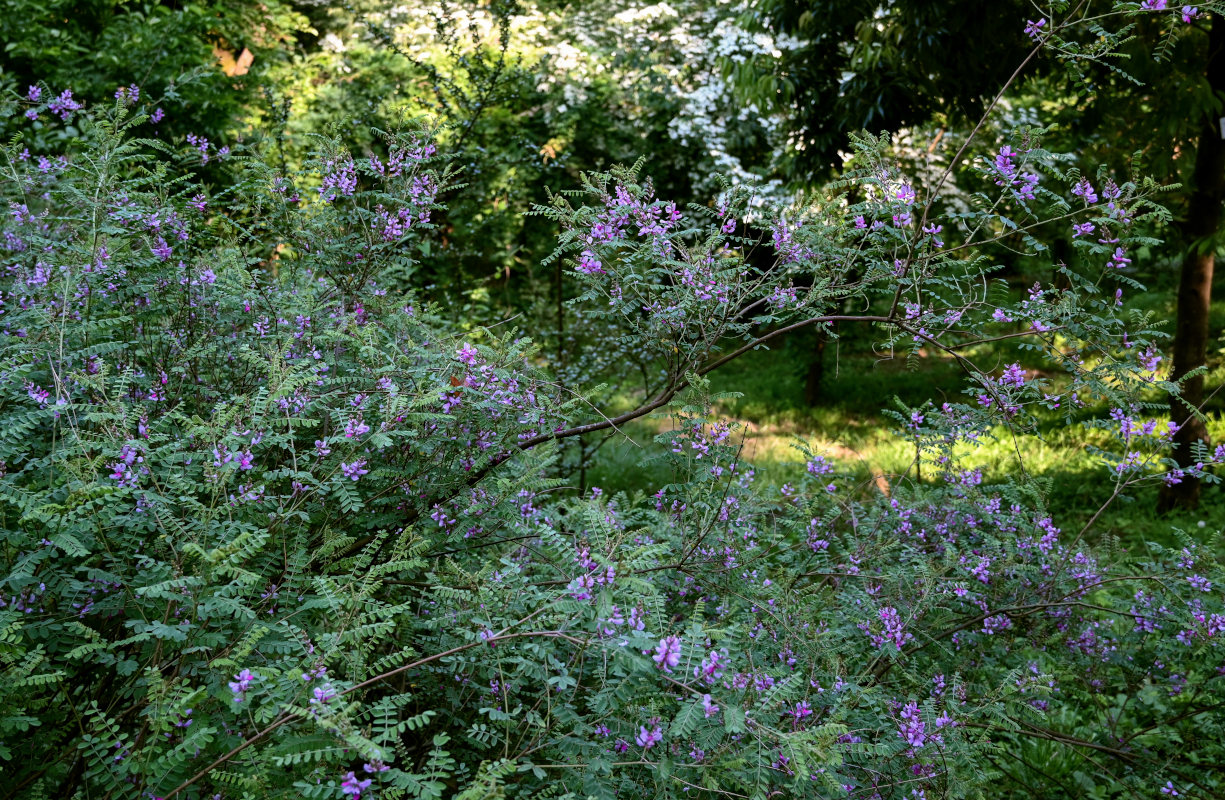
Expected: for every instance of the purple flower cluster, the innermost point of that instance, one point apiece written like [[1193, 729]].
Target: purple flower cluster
[[241, 684], [339, 178], [352, 786], [1022, 184], [667, 653], [649, 737], [354, 470], [911, 727], [892, 629]]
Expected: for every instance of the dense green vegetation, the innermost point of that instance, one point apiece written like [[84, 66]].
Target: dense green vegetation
[[509, 398]]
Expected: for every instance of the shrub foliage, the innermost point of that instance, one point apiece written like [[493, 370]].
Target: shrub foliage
[[270, 528]]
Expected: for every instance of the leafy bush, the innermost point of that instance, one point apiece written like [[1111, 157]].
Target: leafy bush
[[272, 530]]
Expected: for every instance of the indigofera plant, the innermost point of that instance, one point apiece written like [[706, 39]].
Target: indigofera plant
[[271, 527]]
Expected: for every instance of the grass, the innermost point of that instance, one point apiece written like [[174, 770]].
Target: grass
[[849, 426]]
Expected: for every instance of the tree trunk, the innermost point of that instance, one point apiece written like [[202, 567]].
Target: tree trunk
[[1195, 282], [816, 371]]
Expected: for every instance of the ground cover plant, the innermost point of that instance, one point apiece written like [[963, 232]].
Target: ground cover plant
[[274, 523]]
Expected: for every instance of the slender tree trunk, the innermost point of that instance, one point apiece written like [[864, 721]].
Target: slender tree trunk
[[1191, 332], [816, 371]]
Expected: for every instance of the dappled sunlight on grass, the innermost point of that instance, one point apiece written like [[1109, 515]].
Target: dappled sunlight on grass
[[849, 428]]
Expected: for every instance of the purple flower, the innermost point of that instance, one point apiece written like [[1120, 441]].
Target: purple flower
[[354, 787], [340, 177], [1084, 190], [819, 466], [162, 250], [1013, 375], [1189, 13], [710, 669], [667, 653], [201, 144], [64, 105], [1150, 359], [241, 683], [355, 470], [911, 728], [37, 393], [1034, 29], [323, 694], [1029, 186], [892, 629], [709, 707], [648, 738], [1004, 166], [1200, 582], [997, 623], [589, 263], [1153, 5]]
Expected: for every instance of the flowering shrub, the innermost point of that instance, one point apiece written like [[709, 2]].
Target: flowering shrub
[[273, 529]]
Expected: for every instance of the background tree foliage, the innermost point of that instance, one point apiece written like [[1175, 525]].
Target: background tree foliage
[[364, 424]]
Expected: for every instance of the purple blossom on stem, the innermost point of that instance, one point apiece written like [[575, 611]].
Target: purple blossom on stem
[[355, 470], [819, 466], [649, 737], [589, 263], [354, 787], [1084, 190], [323, 694], [1013, 375], [241, 683], [667, 653], [911, 728], [892, 629], [162, 250], [64, 105]]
